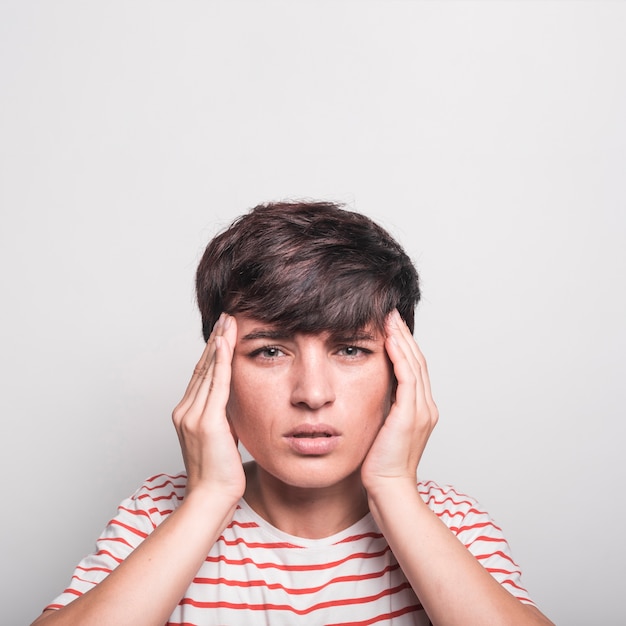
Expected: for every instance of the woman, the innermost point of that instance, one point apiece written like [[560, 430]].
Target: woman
[[310, 362]]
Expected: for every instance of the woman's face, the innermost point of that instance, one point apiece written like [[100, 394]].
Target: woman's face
[[308, 406]]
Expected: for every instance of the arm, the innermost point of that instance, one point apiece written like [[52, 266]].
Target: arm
[[450, 583], [146, 587]]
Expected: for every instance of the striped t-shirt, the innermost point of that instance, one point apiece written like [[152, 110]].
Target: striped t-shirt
[[257, 574]]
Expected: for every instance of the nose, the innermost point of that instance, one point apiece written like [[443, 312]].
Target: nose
[[312, 383]]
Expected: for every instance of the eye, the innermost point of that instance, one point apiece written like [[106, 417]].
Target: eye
[[353, 351], [267, 352]]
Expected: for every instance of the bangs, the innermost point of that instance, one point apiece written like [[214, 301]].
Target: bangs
[[310, 296], [340, 307]]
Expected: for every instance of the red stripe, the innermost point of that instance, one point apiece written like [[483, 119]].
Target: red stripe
[[508, 581], [286, 607], [463, 513], [106, 570], [432, 499], [373, 535], [86, 580], [503, 571], [117, 540], [292, 591], [168, 496], [73, 592], [138, 512], [242, 524], [460, 529], [486, 538], [296, 568], [169, 481], [430, 486], [269, 546], [101, 552], [115, 522], [481, 557], [93, 569], [146, 513]]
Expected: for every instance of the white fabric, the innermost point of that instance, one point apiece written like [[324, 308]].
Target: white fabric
[[256, 574]]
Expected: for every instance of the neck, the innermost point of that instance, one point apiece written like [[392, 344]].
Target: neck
[[307, 513]]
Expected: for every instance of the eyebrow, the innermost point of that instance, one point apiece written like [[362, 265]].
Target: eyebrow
[[267, 333], [276, 334], [359, 335]]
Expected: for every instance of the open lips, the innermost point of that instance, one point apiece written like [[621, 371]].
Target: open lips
[[313, 439]]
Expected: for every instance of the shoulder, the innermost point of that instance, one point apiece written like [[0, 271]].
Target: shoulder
[[464, 516], [473, 526], [445, 499], [161, 485], [461, 513], [160, 494]]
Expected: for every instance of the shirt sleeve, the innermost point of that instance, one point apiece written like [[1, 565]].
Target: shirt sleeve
[[135, 519], [475, 529]]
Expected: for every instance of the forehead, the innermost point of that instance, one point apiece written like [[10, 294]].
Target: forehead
[[250, 328]]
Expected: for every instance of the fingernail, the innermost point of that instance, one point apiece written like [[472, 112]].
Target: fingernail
[[227, 320]]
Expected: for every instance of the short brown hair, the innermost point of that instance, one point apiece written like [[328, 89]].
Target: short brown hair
[[307, 267]]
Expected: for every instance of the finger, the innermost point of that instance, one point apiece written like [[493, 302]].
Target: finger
[[425, 376], [213, 391], [419, 359], [202, 370], [405, 373], [408, 342], [205, 381], [219, 386], [422, 365], [401, 336], [202, 365]]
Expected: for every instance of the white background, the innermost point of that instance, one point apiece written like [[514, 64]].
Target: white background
[[489, 137]]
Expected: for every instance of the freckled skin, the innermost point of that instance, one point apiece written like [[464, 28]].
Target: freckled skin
[[280, 383]]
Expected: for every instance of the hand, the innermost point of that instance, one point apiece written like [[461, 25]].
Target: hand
[[207, 442], [399, 445]]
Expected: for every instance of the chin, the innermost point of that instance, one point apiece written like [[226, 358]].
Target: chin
[[312, 473]]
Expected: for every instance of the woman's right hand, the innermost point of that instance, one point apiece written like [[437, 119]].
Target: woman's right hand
[[208, 444], [148, 584]]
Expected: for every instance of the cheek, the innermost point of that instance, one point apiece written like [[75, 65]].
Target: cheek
[[245, 408], [375, 403], [234, 409], [381, 393]]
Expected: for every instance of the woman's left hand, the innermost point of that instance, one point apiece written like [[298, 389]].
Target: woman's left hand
[[398, 447]]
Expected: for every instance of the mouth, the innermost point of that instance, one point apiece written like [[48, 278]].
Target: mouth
[[313, 431], [313, 439]]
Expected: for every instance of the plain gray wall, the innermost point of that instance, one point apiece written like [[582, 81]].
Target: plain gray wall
[[490, 138]]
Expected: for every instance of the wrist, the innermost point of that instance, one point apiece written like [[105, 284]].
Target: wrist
[[210, 503], [388, 488], [390, 493]]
